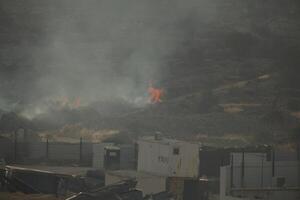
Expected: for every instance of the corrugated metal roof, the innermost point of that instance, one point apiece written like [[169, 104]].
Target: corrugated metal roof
[[132, 174], [167, 141], [112, 147]]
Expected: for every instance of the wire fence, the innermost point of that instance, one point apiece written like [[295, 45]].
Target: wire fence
[[266, 175], [57, 152]]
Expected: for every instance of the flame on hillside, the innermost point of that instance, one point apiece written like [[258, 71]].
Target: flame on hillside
[[155, 94]]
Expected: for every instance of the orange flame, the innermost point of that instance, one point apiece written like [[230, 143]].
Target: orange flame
[[65, 101], [155, 94], [76, 103]]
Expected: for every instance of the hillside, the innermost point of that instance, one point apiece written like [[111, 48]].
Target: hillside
[[233, 76]]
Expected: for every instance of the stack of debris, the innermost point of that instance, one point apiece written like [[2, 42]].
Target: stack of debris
[[124, 190], [160, 196], [32, 182]]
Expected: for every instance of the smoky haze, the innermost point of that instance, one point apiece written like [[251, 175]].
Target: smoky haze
[[96, 50]]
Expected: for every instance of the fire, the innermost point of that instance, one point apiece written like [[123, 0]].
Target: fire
[[76, 103], [66, 102], [155, 94]]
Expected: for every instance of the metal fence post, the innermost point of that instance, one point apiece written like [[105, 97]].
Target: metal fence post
[[262, 172], [15, 146], [231, 172], [273, 163], [243, 169], [47, 149], [80, 151]]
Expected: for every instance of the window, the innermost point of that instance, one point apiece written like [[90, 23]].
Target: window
[[112, 153], [176, 151]]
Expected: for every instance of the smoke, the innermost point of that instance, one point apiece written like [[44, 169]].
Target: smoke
[[102, 50]]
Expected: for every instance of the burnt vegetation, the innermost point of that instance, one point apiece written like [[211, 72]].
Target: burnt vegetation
[[236, 74]]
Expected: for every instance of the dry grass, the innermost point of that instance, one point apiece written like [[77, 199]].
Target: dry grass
[[227, 140], [287, 147], [240, 84], [231, 109], [264, 77], [237, 107], [230, 86], [72, 133], [295, 114]]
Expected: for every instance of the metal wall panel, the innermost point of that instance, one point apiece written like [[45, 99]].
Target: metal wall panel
[[127, 157], [37, 150], [63, 151]]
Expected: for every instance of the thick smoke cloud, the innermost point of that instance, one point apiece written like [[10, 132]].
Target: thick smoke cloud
[[100, 50]]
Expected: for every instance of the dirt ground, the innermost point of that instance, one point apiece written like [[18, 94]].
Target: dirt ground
[[21, 196]]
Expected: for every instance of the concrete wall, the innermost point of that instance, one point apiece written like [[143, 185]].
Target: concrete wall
[[158, 158]]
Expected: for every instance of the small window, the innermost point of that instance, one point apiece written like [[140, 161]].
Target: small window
[[112, 153], [176, 151]]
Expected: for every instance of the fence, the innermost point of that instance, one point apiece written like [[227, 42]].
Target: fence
[[58, 152], [6, 149], [255, 170], [265, 180], [261, 175], [82, 153]]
